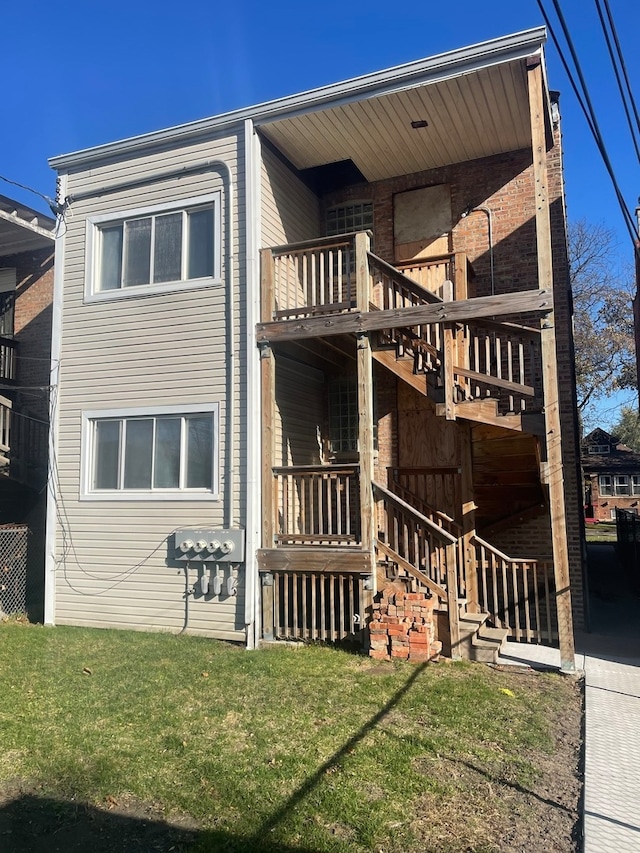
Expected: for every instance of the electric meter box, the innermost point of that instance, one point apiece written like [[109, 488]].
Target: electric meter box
[[208, 545]]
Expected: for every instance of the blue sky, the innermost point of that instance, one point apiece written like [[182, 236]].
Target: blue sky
[[79, 74]]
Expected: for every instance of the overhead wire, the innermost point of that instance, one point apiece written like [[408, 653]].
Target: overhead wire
[[589, 112], [616, 71], [623, 64]]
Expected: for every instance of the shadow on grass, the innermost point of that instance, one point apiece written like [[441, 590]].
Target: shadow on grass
[[32, 824]]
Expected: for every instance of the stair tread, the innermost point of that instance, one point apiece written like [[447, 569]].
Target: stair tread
[[498, 634], [475, 618]]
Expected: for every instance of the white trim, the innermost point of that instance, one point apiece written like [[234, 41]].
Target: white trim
[[86, 454], [253, 476], [52, 479], [431, 70], [95, 222]]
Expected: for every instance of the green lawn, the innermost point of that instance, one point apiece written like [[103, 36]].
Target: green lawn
[[604, 531], [311, 749]]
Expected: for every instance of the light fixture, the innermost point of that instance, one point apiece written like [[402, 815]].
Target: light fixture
[[418, 123]]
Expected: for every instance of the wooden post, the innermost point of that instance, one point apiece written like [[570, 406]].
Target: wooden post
[[365, 404], [268, 403], [266, 591], [452, 600], [550, 372], [468, 519], [448, 358]]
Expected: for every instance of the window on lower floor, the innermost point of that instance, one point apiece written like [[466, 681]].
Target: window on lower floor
[[343, 417], [619, 485], [605, 484], [147, 454]]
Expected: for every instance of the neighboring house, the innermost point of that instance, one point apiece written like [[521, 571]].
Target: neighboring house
[[26, 295], [317, 346], [611, 476]]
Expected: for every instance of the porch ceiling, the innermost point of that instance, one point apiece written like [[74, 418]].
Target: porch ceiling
[[23, 229], [469, 115]]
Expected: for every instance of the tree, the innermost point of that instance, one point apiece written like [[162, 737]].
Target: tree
[[603, 315], [627, 428]]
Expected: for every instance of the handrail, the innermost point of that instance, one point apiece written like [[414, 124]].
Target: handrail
[[439, 532], [317, 469], [440, 591], [315, 243], [515, 328], [403, 280], [479, 541]]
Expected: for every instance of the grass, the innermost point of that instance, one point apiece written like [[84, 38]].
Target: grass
[[604, 531], [312, 748]]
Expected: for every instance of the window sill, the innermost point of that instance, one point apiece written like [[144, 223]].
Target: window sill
[[136, 496], [150, 290]]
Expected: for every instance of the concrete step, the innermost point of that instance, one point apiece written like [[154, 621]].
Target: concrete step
[[487, 644]]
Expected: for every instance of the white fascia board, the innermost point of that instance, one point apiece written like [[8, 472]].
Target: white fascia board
[[442, 66]]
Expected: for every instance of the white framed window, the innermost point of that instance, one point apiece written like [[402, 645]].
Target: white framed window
[[635, 484], [621, 485], [154, 249], [598, 449], [159, 453], [605, 484]]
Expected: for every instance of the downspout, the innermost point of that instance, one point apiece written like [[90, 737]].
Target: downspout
[[252, 302], [481, 209]]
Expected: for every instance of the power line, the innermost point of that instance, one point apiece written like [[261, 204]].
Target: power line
[[622, 62], [52, 204], [589, 112], [614, 64]]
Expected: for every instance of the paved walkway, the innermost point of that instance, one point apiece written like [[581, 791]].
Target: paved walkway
[[610, 658]]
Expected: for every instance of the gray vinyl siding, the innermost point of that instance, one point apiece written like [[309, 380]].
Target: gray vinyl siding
[[168, 349], [299, 413], [290, 210]]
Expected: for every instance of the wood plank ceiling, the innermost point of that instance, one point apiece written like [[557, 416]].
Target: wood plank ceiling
[[469, 116]]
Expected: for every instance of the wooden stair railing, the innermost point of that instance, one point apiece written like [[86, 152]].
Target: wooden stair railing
[[427, 548], [490, 361], [518, 594]]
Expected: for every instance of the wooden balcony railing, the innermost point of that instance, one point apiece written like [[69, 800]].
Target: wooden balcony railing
[[519, 595], [316, 505], [8, 358], [309, 278]]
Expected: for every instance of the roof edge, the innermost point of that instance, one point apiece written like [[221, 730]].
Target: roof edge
[[459, 61]]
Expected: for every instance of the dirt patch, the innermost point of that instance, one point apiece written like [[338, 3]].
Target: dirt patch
[[483, 808]]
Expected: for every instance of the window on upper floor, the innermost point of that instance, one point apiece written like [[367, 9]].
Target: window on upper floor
[[598, 449], [345, 218], [150, 454], [154, 249]]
